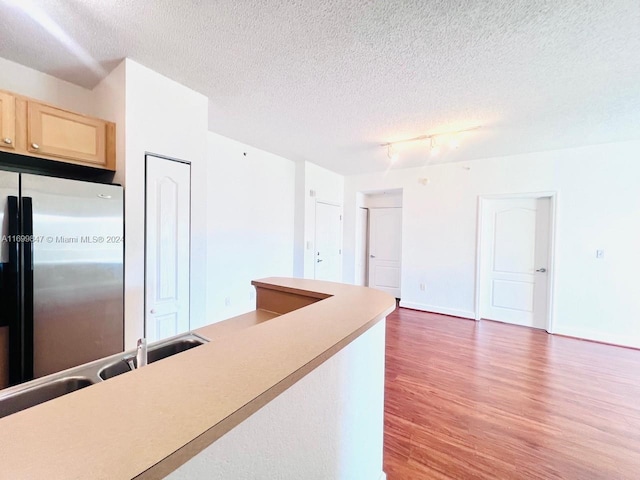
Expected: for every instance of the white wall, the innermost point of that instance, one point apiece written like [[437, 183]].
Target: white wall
[[251, 223], [32, 83], [329, 425], [598, 208], [313, 184], [299, 244], [109, 103], [166, 118]]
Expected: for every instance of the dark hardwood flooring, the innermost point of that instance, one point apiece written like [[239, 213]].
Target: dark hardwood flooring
[[486, 400]]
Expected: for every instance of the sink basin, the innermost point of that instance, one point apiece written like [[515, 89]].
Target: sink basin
[[30, 397], [115, 369], [171, 348], [156, 352]]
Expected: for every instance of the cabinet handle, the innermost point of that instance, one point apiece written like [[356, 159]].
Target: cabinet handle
[[7, 140], [35, 146]]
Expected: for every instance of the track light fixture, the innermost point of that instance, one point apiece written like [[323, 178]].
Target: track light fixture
[[435, 146], [392, 154]]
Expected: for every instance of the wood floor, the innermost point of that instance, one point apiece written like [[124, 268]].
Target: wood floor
[[485, 400]]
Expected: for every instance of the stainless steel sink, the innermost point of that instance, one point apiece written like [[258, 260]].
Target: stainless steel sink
[[155, 351], [117, 368], [161, 351], [40, 393], [35, 392]]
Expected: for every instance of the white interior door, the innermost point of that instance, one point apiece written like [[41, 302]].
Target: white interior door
[[168, 211], [514, 261], [385, 249], [328, 260]]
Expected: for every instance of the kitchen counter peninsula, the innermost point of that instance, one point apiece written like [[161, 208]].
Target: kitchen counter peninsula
[[293, 389]]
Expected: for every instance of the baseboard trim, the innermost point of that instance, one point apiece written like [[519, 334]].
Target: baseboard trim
[[598, 337], [441, 310], [572, 332]]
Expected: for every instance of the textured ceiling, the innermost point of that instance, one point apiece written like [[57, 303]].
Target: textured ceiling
[[329, 80]]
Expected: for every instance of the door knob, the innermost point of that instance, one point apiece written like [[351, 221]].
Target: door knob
[[319, 260], [7, 140], [372, 256], [541, 270], [35, 146], [152, 311]]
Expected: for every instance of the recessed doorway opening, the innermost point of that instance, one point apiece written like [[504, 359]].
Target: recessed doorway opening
[[379, 240]]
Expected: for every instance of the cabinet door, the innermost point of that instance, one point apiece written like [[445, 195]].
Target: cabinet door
[[58, 133], [7, 121]]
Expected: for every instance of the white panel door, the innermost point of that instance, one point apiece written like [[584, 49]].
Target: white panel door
[[385, 249], [515, 253], [168, 211], [328, 261]]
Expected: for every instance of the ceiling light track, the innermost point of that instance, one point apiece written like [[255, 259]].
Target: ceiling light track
[[428, 137], [434, 144]]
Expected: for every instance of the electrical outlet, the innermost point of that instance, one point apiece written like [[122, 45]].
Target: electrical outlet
[[227, 301], [600, 254], [422, 287]]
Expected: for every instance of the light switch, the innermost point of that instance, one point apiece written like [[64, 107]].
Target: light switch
[[600, 254]]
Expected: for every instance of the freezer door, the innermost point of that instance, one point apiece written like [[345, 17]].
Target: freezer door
[[77, 271], [10, 326]]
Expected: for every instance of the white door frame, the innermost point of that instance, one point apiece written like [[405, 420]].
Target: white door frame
[[363, 252], [171, 159], [553, 199]]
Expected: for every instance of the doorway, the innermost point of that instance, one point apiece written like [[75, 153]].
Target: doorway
[[378, 247], [385, 249], [167, 247], [328, 242], [515, 259]]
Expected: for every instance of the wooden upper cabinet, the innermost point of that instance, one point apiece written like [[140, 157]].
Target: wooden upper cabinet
[[58, 133], [32, 128], [7, 121]]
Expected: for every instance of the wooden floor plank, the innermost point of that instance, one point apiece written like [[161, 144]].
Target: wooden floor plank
[[485, 400]]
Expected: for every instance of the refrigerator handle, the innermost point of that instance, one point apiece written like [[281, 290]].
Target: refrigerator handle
[[11, 294], [27, 286], [13, 232]]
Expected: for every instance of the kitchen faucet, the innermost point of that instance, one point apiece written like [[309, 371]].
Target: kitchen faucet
[[141, 353]]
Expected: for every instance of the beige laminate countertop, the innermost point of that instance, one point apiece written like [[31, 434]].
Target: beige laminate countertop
[[146, 423]]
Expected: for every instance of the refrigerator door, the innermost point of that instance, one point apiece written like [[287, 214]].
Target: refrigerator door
[[10, 325], [76, 270]]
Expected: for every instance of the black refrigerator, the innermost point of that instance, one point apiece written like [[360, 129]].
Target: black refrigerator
[[62, 276]]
